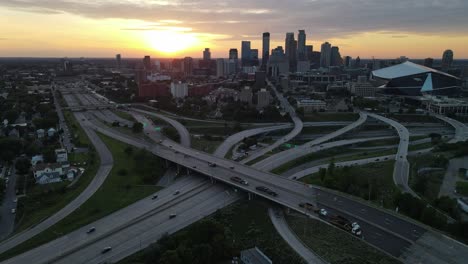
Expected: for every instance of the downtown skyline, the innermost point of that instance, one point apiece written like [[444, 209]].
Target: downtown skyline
[[182, 28]]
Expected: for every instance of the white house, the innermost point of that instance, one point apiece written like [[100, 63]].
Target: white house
[[61, 155], [48, 173], [40, 133], [51, 132]]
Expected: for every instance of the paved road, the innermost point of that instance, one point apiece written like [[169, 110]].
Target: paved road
[[181, 129], [7, 219], [102, 173], [401, 168], [298, 125], [461, 130], [280, 224], [65, 136]]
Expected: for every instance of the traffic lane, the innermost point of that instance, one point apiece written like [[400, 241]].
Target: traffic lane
[[387, 220], [7, 219], [128, 240], [187, 186], [377, 237]]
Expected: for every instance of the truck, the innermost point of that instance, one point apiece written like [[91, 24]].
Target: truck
[[309, 207], [345, 224]]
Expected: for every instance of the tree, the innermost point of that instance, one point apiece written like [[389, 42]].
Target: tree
[[22, 165], [128, 150], [137, 127]]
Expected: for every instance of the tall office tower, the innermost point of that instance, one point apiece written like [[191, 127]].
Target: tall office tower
[[220, 67], [335, 59], [188, 66], [357, 63], [428, 62], [301, 46], [447, 59], [118, 59], [206, 54], [233, 61], [325, 55], [291, 51], [309, 49], [278, 63], [263, 98], [347, 61], [254, 57], [245, 53], [265, 49], [233, 54], [147, 63]]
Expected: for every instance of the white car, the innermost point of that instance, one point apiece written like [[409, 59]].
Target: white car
[[323, 212], [13, 211]]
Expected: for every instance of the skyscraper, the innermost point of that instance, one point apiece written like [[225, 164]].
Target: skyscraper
[[335, 59], [428, 62], [301, 46], [220, 67], [265, 49], [254, 57], [245, 53], [357, 63], [347, 61], [447, 59], [118, 59], [206, 54], [325, 55], [309, 49], [147, 63], [291, 51], [233, 54], [188, 66]]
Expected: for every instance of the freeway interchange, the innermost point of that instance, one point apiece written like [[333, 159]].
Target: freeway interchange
[[147, 219]]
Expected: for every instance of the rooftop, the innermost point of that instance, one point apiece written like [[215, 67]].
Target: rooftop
[[405, 69]]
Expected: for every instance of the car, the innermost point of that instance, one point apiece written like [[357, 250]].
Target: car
[[154, 197], [172, 216], [91, 230], [377, 159], [211, 164], [161, 141], [231, 167], [176, 152], [170, 146], [176, 192], [323, 212], [13, 211], [106, 249], [15, 200], [194, 167]]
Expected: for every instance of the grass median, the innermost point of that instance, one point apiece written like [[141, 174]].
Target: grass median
[[131, 179]]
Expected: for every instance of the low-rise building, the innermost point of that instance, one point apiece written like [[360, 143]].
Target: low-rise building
[[445, 105], [310, 105], [48, 173], [61, 155], [263, 98], [51, 132], [40, 133], [363, 88]]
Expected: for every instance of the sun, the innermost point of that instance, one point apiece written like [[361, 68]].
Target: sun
[[170, 41]]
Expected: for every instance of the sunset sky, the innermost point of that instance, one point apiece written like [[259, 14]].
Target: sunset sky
[[177, 28]]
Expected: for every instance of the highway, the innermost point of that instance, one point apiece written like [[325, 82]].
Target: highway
[[7, 219], [401, 168], [181, 129], [136, 226], [461, 130], [298, 125]]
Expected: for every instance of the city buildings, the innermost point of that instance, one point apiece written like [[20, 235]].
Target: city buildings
[[325, 55], [263, 98], [265, 49], [147, 63], [444, 105], [206, 54], [335, 57], [245, 53], [220, 68], [246, 95], [278, 63], [301, 46], [291, 51], [188, 66], [429, 62], [118, 60], [310, 105], [179, 90], [447, 60], [363, 88]]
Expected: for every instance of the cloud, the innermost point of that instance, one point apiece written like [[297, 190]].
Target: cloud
[[322, 19]]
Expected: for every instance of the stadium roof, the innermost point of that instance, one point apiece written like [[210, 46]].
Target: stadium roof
[[405, 69]]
